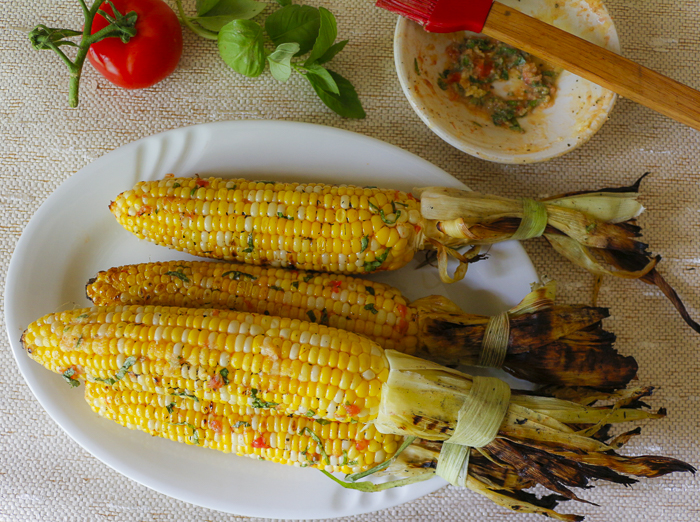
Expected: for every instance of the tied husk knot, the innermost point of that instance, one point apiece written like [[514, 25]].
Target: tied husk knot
[[478, 422], [482, 412], [494, 346], [534, 220]]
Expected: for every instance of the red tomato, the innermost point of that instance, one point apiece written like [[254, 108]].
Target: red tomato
[[402, 309], [144, 210], [150, 56], [454, 77]]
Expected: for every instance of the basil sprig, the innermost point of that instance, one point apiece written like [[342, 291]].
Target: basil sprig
[[282, 40]]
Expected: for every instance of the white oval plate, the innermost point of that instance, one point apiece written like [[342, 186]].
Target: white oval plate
[[579, 110], [73, 235]]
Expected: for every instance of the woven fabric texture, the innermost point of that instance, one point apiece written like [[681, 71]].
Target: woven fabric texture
[[46, 476]]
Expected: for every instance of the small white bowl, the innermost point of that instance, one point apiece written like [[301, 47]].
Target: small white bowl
[[580, 107]]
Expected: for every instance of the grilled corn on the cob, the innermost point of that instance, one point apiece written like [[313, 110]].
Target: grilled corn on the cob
[[309, 226], [547, 344], [312, 226], [301, 442], [344, 447]]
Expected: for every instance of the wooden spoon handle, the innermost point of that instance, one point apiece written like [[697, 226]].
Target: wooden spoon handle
[[597, 64]]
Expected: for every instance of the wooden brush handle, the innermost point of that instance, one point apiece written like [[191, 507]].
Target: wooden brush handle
[[597, 64]]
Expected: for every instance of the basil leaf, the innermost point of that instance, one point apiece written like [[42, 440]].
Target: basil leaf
[[331, 52], [236, 275], [128, 363], [294, 23], [371, 308], [257, 402], [371, 266], [327, 33], [241, 47], [68, 376], [364, 243], [179, 274], [204, 6], [346, 103], [280, 62], [322, 79], [228, 10], [183, 394]]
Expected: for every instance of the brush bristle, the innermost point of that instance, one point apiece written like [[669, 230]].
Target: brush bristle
[[417, 10]]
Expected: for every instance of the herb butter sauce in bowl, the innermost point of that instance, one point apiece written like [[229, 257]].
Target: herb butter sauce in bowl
[[500, 104]]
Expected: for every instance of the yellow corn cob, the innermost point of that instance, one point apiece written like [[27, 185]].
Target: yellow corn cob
[[346, 447], [280, 365], [310, 226], [371, 309]]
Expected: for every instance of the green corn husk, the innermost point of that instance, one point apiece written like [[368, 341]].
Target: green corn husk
[[595, 230]]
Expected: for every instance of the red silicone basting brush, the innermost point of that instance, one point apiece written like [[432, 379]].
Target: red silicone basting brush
[[597, 64]]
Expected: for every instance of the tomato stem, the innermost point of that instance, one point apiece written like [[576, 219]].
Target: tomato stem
[[120, 26]]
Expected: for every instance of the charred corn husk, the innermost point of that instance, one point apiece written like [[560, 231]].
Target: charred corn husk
[[537, 340], [296, 440], [347, 229], [504, 471], [544, 343]]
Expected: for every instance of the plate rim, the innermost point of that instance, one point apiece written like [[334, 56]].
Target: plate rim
[[79, 177]]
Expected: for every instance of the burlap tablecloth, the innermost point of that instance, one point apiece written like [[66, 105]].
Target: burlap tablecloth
[[44, 475]]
